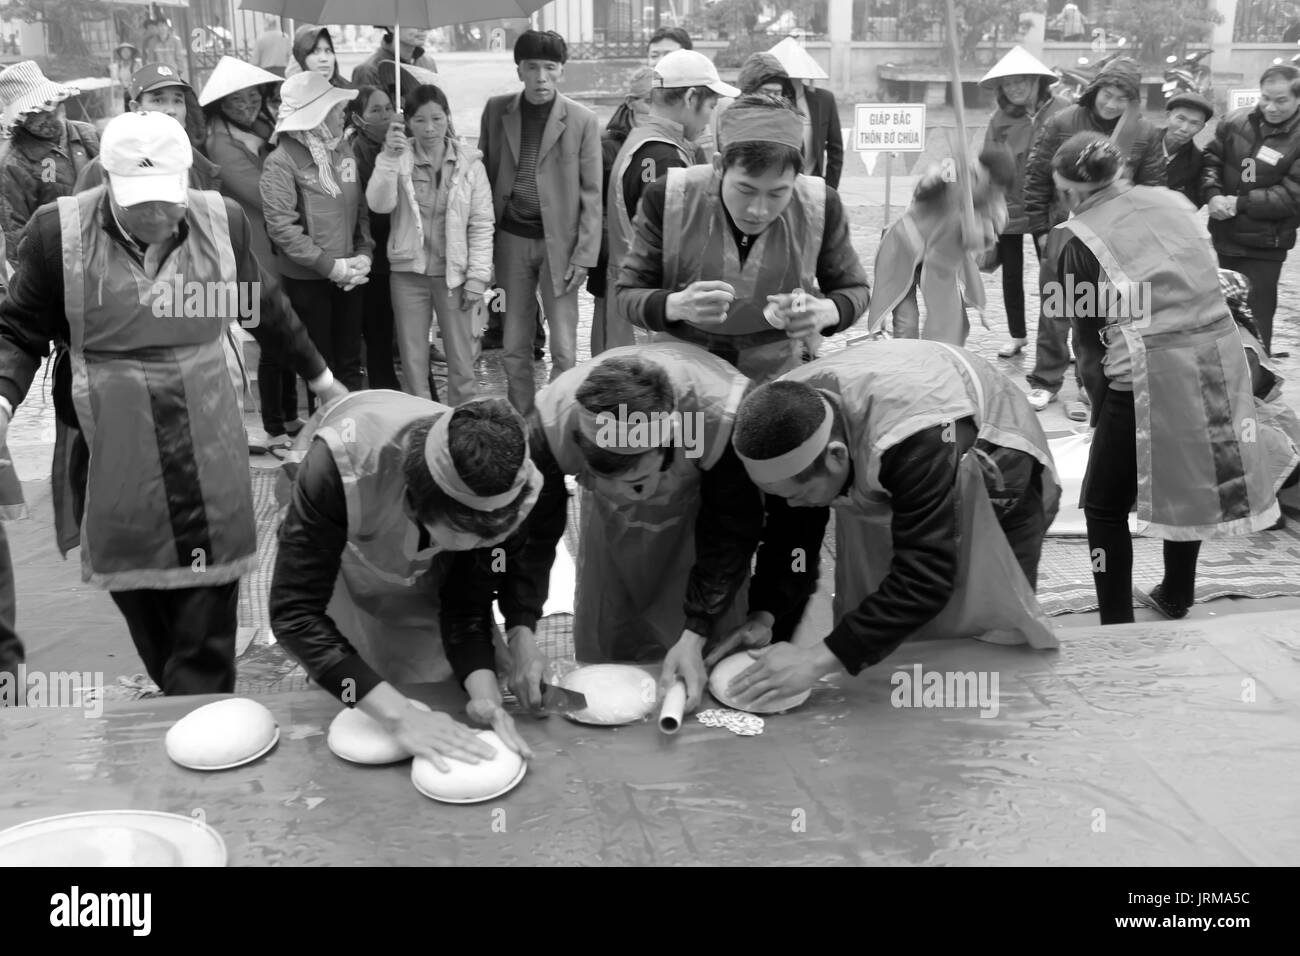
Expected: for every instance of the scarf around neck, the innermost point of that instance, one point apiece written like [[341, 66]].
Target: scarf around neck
[[320, 142]]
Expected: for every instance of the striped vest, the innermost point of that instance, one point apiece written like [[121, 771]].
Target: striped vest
[[168, 499]]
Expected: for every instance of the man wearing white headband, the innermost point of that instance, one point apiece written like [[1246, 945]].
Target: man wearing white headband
[[670, 520], [748, 258], [943, 488], [138, 281], [369, 588]]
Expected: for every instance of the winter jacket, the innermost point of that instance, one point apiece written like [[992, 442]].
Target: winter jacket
[[1146, 158], [1268, 200], [366, 151], [469, 218], [308, 227], [1185, 170], [611, 141], [304, 41], [1016, 128], [25, 185], [243, 171]]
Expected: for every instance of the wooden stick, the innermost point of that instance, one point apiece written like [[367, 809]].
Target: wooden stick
[[971, 235]]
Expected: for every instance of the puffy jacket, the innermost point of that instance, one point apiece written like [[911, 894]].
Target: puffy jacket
[[1146, 159], [25, 185], [469, 217], [1268, 208], [308, 227], [1015, 127]]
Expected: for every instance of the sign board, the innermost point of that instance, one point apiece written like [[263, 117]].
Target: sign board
[[889, 127], [1239, 99]]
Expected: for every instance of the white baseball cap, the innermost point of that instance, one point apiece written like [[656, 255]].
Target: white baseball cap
[[690, 68], [147, 157]]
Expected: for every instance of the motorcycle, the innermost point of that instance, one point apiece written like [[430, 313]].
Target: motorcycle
[[1073, 81], [1188, 75], [1294, 61]]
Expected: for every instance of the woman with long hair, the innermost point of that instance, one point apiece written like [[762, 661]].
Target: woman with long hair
[[1161, 358], [440, 243]]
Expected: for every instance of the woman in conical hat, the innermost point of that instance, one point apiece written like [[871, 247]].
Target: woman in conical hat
[[1025, 103]]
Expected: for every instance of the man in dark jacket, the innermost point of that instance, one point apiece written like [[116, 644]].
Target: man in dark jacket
[[45, 152], [409, 49], [1111, 105], [1252, 187], [1188, 113]]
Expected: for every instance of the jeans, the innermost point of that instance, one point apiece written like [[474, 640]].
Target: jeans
[[377, 328], [1263, 275], [523, 269], [333, 320], [1109, 492], [416, 298], [186, 637], [1052, 347], [1011, 251]]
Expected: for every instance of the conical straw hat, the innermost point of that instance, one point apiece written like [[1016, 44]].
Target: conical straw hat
[[1018, 62], [231, 76], [798, 62]]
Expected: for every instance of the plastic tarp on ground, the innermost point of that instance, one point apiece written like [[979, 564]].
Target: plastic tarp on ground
[[1171, 744]]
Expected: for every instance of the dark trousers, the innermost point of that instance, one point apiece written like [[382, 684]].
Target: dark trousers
[[1263, 275], [1109, 492], [496, 329], [186, 637], [1016, 495], [11, 649], [333, 319], [377, 327], [277, 392], [1011, 251]]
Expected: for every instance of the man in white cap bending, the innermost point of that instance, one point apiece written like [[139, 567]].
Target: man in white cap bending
[[139, 279]]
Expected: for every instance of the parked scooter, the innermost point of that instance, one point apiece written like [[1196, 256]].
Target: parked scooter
[[1188, 75], [1294, 61]]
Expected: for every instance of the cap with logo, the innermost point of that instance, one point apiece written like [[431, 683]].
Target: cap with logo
[[155, 76], [147, 157], [683, 68]]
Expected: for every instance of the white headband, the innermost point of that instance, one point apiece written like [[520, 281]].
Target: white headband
[[437, 456], [769, 471]]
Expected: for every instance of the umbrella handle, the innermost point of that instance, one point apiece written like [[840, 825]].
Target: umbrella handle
[[397, 66]]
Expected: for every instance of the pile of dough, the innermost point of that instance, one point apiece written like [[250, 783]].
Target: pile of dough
[[221, 734], [616, 693], [92, 846], [470, 782], [358, 737], [730, 667]]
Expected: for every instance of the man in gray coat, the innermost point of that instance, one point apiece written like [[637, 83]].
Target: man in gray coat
[[543, 158]]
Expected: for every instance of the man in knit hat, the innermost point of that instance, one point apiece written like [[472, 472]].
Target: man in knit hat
[[1111, 105], [542, 155], [1184, 161], [746, 257], [1252, 188]]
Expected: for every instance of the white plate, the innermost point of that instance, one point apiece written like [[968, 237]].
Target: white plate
[[275, 739], [728, 668], [193, 841], [491, 796]]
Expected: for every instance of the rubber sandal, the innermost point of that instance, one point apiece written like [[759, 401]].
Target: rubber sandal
[[279, 447], [1077, 411], [1157, 601]]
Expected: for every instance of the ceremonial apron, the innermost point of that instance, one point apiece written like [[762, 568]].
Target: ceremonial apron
[[386, 598], [950, 277], [168, 502], [1278, 429], [698, 246], [890, 391], [635, 557], [1197, 478], [618, 331]]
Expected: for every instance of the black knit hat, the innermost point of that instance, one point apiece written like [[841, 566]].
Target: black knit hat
[[541, 45]]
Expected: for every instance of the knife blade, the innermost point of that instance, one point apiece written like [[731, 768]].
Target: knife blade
[[558, 700]]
